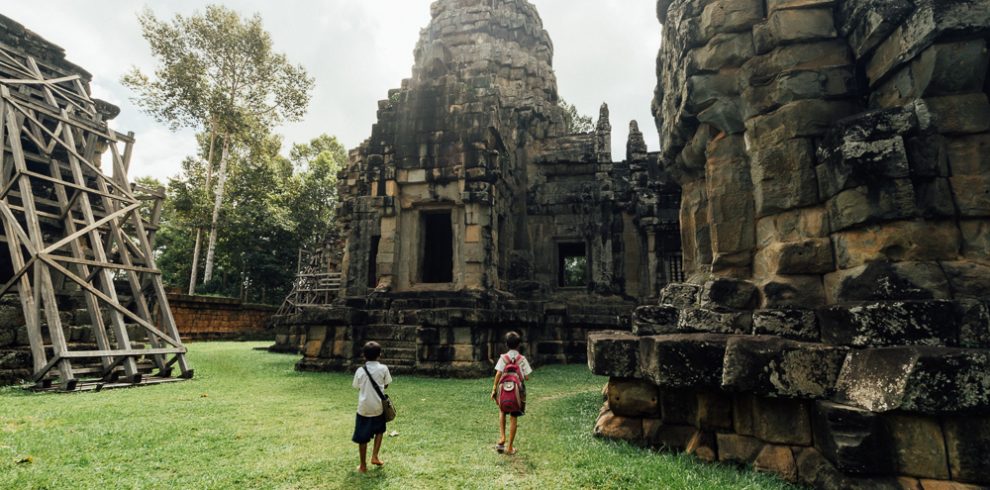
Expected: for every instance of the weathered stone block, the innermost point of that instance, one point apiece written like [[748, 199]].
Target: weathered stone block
[[932, 322], [882, 201], [918, 446], [714, 321], [929, 380], [854, 440], [809, 256], [714, 411], [969, 155], [784, 177], [792, 226], [968, 279], [633, 398], [947, 485], [795, 25], [976, 240], [722, 16], [801, 119], [703, 446], [869, 22], [885, 281], [974, 329], [678, 407], [897, 242], [967, 440], [778, 460], [683, 360], [668, 437], [769, 366], [792, 291], [961, 114], [723, 51], [728, 293], [680, 295], [782, 421], [744, 414], [611, 426], [733, 448], [972, 194], [613, 354], [655, 320], [790, 323]]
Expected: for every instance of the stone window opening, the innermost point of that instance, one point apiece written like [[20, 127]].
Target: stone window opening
[[572, 265], [437, 265]]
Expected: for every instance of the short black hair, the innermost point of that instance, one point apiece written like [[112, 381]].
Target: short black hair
[[512, 340], [372, 351]]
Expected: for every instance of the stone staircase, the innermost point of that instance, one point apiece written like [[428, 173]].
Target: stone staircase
[[399, 349]]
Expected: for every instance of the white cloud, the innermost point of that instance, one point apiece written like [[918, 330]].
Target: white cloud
[[357, 50]]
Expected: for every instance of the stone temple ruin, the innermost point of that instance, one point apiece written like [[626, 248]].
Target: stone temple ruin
[[835, 164], [472, 211]]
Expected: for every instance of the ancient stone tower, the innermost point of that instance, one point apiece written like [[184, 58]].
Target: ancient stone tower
[[835, 164], [471, 210]]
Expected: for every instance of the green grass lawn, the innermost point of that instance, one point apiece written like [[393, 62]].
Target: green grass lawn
[[249, 421]]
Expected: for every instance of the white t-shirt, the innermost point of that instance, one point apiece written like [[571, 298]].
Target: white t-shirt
[[513, 354], [369, 404]]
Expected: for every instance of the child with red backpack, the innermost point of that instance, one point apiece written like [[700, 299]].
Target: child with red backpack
[[509, 392]]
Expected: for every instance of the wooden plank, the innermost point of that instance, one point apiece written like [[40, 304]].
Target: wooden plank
[[106, 280], [109, 265], [112, 304], [89, 354], [43, 294]]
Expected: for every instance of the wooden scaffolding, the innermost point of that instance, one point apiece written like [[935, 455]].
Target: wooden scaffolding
[[69, 228], [314, 285]]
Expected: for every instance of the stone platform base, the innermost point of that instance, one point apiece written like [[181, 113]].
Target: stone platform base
[[821, 444], [446, 334]]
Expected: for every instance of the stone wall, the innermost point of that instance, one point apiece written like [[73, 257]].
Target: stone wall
[[836, 222], [214, 318], [15, 350]]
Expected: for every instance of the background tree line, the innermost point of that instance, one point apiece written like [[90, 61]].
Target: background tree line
[[251, 207]]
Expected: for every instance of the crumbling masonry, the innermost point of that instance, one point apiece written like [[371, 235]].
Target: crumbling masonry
[[835, 164], [472, 211]]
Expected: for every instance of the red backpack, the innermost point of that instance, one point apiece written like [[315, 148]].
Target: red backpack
[[511, 388]]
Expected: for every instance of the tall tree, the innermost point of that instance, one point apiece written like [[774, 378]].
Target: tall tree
[[217, 72]]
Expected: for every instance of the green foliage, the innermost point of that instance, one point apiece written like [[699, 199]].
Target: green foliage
[[574, 121], [218, 71], [273, 207], [248, 420], [575, 271]]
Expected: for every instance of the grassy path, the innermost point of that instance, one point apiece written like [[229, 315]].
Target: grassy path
[[249, 421]]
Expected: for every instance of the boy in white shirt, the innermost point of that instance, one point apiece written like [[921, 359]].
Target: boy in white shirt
[[370, 421], [512, 341]]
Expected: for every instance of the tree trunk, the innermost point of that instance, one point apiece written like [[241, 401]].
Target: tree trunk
[[217, 204], [195, 262], [199, 230]]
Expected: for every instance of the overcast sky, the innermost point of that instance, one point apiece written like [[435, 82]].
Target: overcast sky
[[357, 50]]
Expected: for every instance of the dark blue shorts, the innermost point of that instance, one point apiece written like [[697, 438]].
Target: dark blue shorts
[[366, 428]]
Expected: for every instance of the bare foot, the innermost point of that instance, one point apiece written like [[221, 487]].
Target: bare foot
[[362, 469], [511, 451], [377, 462]]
